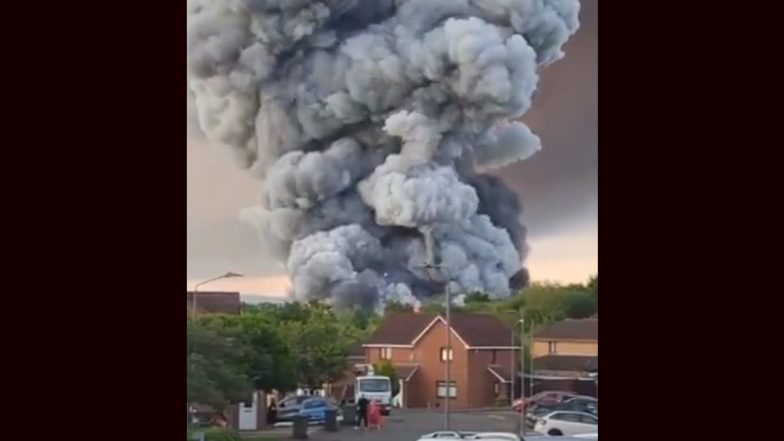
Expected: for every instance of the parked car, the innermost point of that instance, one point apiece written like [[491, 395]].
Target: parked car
[[574, 404], [293, 401], [546, 397], [314, 408], [496, 436], [567, 423], [560, 438], [484, 436], [446, 434]]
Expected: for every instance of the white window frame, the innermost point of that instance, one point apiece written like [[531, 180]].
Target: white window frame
[[441, 389], [385, 353], [552, 347], [449, 351]]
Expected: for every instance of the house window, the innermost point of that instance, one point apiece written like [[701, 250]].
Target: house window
[[493, 356], [552, 347], [496, 387], [446, 353], [441, 389], [385, 353]]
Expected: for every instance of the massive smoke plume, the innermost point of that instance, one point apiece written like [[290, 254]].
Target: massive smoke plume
[[371, 123]]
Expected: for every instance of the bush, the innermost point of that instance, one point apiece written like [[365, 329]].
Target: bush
[[215, 434]]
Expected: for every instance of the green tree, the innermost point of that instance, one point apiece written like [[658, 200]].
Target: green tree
[[387, 369], [393, 307], [320, 345], [270, 360], [216, 367], [593, 287], [477, 297], [578, 304]]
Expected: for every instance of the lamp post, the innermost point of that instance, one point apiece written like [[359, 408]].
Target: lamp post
[[228, 275]]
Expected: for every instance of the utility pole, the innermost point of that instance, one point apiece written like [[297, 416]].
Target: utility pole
[[431, 268], [512, 371], [531, 358], [522, 371], [448, 358]]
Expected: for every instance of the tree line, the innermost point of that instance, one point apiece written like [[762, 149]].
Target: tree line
[[540, 303], [296, 344]]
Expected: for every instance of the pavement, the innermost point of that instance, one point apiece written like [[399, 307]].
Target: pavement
[[409, 425]]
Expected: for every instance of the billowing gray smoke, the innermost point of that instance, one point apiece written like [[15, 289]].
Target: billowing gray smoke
[[371, 122]]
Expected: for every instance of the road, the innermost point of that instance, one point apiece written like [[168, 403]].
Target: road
[[408, 425]]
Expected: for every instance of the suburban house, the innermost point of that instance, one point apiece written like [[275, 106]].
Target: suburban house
[[215, 302], [567, 352], [482, 358]]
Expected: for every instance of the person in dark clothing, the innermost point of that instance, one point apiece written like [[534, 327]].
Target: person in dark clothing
[[272, 412], [362, 411]]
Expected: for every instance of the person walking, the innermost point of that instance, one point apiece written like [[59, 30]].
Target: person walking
[[362, 412], [375, 419]]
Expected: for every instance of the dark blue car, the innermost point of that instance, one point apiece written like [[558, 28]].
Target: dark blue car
[[313, 408]]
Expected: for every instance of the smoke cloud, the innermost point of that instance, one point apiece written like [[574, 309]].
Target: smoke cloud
[[372, 122]]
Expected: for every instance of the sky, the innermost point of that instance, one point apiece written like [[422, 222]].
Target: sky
[[557, 186]]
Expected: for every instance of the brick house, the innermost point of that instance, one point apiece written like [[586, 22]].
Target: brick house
[[215, 302], [567, 352], [482, 358]]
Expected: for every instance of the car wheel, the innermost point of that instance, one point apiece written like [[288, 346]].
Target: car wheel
[[554, 432]]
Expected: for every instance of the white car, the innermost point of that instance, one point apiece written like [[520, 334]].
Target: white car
[[496, 436], [593, 436], [446, 434], [567, 423], [484, 436]]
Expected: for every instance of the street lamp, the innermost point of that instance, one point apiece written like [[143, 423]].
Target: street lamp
[[228, 275]]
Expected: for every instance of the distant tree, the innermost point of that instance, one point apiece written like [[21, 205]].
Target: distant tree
[[386, 368], [578, 304], [392, 307], [361, 319], [477, 297], [545, 302], [432, 308], [593, 286], [293, 311]]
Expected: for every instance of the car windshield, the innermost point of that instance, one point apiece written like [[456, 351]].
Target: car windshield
[[292, 401], [374, 385]]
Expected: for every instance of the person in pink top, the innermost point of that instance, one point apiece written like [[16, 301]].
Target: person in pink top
[[374, 415]]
